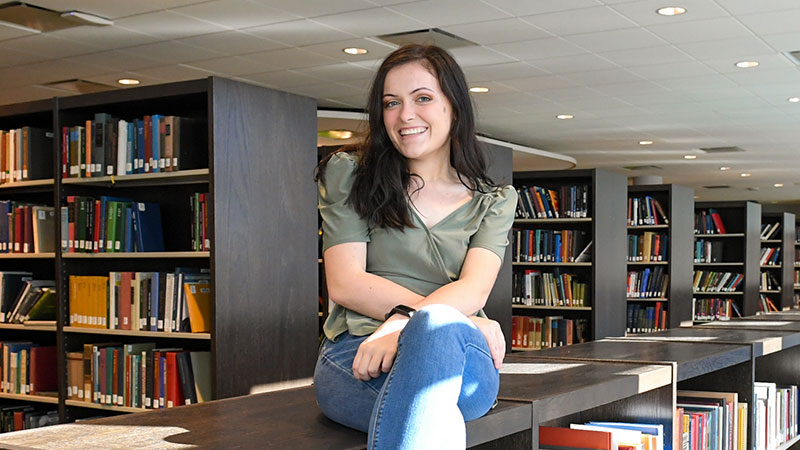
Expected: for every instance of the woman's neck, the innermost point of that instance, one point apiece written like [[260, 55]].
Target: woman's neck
[[434, 170]]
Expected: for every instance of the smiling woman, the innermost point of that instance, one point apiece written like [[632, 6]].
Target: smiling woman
[[414, 233]]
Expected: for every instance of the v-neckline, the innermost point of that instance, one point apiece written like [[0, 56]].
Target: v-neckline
[[418, 214]]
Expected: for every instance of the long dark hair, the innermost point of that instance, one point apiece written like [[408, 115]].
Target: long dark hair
[[380, 189]]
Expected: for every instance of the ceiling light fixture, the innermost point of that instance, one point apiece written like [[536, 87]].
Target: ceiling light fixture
[[724, 168], [671, 11], [778, 185], [745, 174], [645, 142], [689, 156], [793, 99], [746, 64], [128, 81], [479, 89], [355, 51], [564, 116], [335, 134]]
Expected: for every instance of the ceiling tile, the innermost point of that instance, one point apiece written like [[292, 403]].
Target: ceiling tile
[[766, 62], [117, 60], [231, 65], [773, 22], [527, 7], [337, 72], [636, 87], [726, 48], [172, 52], [646, 56], [497, 31], [15, 77], [750, 7], [113, 10], [171, 73], [576, 63], [538, 49], [579, 21], [10, 31], [644, 12], [61, 69], [611, 76], [766, 77], [27, 94], [298, 33], [478, 56], [168, 25], [441, 13], [283, 79], [672, 70], [9, 57], [110, 79], [697, 83], [104, 38], [499, 72], [606, 41], [315, 8], [235, 13], [701, 30], [48, 46], [544, 82], [289, 58], [231, 43], [783, 42], [375, 49], [371, 22]]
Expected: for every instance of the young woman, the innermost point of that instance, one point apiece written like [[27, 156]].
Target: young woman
[[414, 233]]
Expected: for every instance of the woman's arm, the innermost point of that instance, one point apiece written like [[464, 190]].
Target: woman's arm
[[350, 285]]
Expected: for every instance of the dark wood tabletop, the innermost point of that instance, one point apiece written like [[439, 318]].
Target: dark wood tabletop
[[763, 341]]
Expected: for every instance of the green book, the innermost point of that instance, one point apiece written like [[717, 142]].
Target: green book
[[111, 225]]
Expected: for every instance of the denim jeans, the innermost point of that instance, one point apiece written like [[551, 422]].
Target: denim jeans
[[442, 376]]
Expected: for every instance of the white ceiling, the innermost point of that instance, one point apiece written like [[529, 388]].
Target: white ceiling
[[624, 72]]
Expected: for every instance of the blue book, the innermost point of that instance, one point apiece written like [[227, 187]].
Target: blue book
[[154, 282], [155, 134], [130, 148], [558, 248], [643, 286], [147, 225]]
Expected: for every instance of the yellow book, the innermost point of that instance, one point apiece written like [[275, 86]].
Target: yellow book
[[198, 302]]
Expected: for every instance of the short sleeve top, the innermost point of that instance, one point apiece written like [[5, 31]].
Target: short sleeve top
[[420, 259]]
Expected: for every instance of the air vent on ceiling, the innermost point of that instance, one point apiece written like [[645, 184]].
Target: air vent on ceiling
[[795, 56], [79, 86], [432, 36], [752, 189], [645, 167], [718, 186], [722, 149], [40, 19]]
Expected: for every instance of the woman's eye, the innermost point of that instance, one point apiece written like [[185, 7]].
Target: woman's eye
[[423, 98], [390, 104]]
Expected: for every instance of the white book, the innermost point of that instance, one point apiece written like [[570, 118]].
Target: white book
[[617, 435], [122, 147]]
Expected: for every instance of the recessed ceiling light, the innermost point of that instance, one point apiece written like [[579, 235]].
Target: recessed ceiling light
[[778, 184], [128, 81], [745, 174], [645, 142], [671, 11], [689, 156], [479, 89], [335, 134], [355, 51], [724, 168], [564, 116], [794, 99], [746, 64], [696, 197]]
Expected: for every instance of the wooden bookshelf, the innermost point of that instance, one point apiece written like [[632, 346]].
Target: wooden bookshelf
[[30, 398], [677, 202], [254, 141], [740, 250], [22, 327], [604, 226], [123, 409], [784, 270]]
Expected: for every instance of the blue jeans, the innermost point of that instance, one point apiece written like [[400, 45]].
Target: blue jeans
[[443, 375]]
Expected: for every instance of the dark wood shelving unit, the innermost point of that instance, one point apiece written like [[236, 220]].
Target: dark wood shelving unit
[[784, 271]]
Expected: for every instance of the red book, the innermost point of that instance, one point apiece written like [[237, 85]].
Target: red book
[[18, 420], [156, 379], [124, 301], [27, 243], [148, 144], [174, 387], [43, 369], [19, 229], [658, 324], [115, 376], [71, 216], [566, 437], [718, 222]]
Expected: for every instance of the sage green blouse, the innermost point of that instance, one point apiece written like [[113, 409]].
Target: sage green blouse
[[419, 259]]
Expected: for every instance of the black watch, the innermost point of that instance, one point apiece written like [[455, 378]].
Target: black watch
[[400, 309]]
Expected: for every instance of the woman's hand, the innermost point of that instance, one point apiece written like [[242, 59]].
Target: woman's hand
[[494, 338], [376, 354]]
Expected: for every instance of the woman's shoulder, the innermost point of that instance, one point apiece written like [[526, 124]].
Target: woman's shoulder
[[499, 194], [340, 168]]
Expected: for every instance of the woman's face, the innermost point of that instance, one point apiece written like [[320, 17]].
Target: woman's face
[[416, 113]]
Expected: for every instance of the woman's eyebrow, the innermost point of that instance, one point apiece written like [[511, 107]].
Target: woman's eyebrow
[[388, 94]]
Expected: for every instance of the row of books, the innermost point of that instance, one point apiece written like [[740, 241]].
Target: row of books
[[769, 282], [715, 309], [142, 301], [776, 410], [765, 304], [647, 247], [201, 240], [770, 256], [15, 286], [37, 302], [645, 319], [708, 221], [797, 277], [604, 436], [110, 224], [534, 333], [710, 281], [712, 420], [536, 202], [25, 154], [26, 228], [647, 283], [549, 245], [28, 369], [534, 287], [26, 417], [110, 146], [646, 211], [708, 251], [138, 375], [770, 231]]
